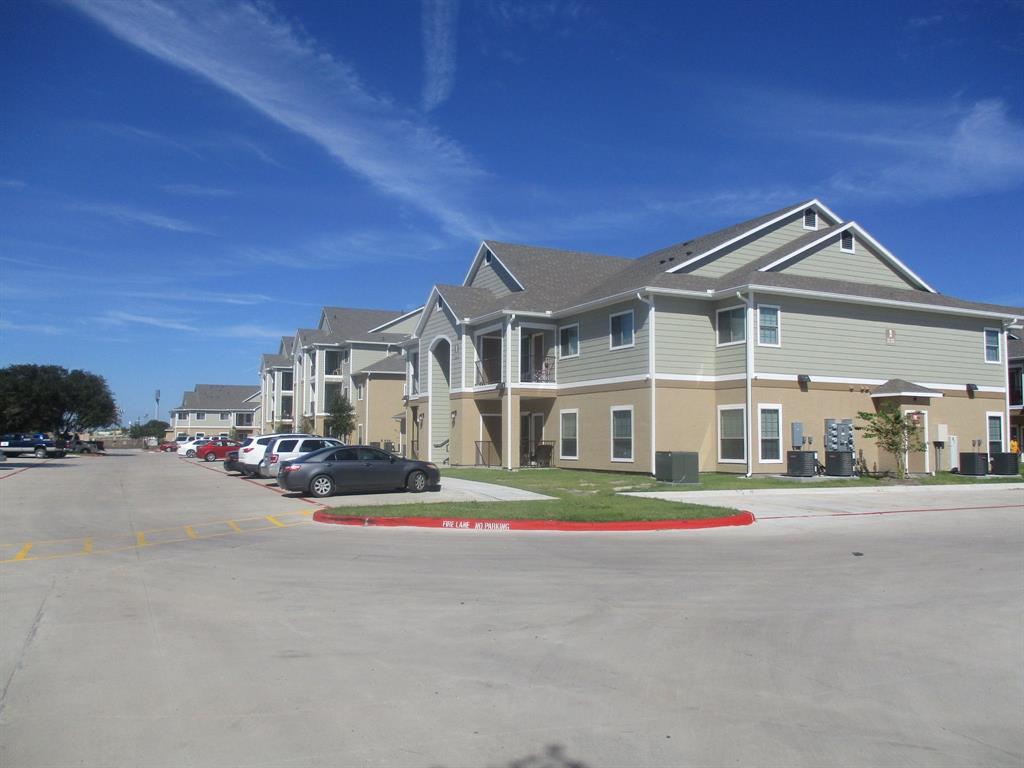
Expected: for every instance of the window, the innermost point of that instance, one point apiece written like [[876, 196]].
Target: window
[[286, 446], [995, 433], [1016, 386], [569, 341], [732, 444], [810, 219], [992, 345], [286, 380], [770, 422], [359, 391], [200, 415], [224, 415], [732, 325], [569, 442], [345, 454], [622, 433], [621, 330], [768, 326], [182, 417], [846, 241]]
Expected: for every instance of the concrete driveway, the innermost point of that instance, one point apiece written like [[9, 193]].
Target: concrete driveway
[[815, 641]]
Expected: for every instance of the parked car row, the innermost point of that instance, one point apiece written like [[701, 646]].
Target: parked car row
[[323, 466]]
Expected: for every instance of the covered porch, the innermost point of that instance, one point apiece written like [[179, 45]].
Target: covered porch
[[528, 441]]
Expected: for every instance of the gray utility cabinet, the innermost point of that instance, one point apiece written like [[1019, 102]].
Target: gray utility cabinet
[[1005, 463], [839, 463], [974, 464], [676, 467]]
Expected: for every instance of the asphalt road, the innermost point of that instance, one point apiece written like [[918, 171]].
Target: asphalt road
[[882, 640]]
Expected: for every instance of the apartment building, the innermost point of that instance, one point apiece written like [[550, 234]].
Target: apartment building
[[377, 399], [716, 345], [322, 363], [210, 410], [1015, 386], [276, 388]]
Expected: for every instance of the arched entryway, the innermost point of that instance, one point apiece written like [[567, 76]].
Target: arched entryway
[[439, 448]]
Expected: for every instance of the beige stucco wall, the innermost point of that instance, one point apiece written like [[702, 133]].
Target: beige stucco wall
[[382, 399]]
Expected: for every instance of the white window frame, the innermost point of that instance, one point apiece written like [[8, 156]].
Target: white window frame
[[813, 213], [567, 327], [853, 241], [718, 433], [359, 390], [632, 333], [200, 415], [760, 437], [718, 312], [778, 325], [225, 415], [611, 434], [576, 413], [1002, 431], [999, 345]]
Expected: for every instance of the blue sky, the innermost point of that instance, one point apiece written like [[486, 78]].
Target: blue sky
[[183, 183]]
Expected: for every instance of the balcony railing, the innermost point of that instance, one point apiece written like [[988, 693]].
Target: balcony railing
[[1016, 388], [411, 388], [536, 453], [486, 454], [488, 371], [541, 372]]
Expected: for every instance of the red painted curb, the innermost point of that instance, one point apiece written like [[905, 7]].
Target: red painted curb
[[457, 524]]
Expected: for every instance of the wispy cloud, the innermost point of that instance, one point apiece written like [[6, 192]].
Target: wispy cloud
[[440, 19], [249, 51], [196, 190], [358, 247], [235, 331], [125, 131], [128, 215], [43, 328], [12, 184]]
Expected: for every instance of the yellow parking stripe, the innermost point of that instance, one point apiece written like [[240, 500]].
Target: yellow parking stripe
[[24, 551], [234, 526], [275, 521], [140, 539], [87, 546], [191, 532]]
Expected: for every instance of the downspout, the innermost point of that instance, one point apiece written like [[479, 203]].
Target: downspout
[[649, 301], [366, 421], [508, 388], [1005, 342], [749, 319]]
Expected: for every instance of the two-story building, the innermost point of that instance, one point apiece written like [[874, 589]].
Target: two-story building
[[716, 345], [276, 388], [1015, 386], [212, 410], [322, 363]]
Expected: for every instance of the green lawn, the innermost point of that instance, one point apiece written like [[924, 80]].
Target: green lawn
[[579, 496]]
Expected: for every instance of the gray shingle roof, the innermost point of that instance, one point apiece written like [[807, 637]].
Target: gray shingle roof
[[467, 301], [220, 397], [276, 361], [1015, 346], [287, 346], [390, 364], [894, 387], [353, 324]]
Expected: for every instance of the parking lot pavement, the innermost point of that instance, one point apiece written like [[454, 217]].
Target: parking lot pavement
[[816, 641], [785, 503]]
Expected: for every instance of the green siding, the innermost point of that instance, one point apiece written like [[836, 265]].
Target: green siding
[[596, 360], [754, 247], [849, 340], [440, 407], [494, 278], [439, 323], [406, 326], [830, 261], [685, 331]]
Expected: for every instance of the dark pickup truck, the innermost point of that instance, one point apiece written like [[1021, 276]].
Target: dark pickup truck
[[39, 446]]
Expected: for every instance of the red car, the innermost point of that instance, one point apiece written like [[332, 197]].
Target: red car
[[168, 446], [216, 449]]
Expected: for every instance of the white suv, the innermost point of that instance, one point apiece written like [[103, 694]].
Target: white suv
[[288, 448], [253, 448], [188, 448]]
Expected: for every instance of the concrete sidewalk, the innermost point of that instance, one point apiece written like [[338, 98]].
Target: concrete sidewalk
[[452, 490], [767, 503]]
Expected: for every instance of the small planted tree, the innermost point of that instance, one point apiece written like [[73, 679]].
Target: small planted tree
[[341, 418], [894, 432], [306, 424]]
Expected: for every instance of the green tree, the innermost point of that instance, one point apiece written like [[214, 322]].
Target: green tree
[[50, 398], [341, 417], [894, 432], [152, 428], [306, 424]]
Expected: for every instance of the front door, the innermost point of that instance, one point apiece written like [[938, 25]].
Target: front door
[[919, 462], [524, 440]]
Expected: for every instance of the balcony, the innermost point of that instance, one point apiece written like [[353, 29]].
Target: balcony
[[538, 371], [1016, 387], [488, 371], [411, 388]]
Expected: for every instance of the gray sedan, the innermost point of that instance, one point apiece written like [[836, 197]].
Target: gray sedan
[[355, 467]]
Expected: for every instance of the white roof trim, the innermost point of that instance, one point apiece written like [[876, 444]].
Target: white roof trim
[[854, 226], [479, 258], [776, 220], [907, 394], [398, 319], [434, 296]]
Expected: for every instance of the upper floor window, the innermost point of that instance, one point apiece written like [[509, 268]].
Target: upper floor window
[[359, 391], [810, 219], [768, 326], [569, 341], [992, 345], [732, 325], [621, 330], [200, 415], [224, 415], [1017, 386], [183, 416], [846, 241]]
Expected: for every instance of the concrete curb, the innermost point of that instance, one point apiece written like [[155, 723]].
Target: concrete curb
[[473, 524]]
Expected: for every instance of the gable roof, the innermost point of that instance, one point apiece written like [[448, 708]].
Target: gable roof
[[903, 388], [220, 397], [276, 361], [341, 324], [390, 364], [287, 345]]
